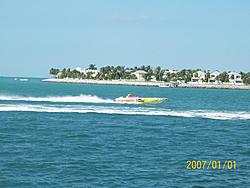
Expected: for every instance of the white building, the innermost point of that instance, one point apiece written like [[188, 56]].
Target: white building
[[128, 70], [86, 71], [198, 77], [93, 72], [59, 75], [235, 78], [79, 69], [140, 74], [212, 78]]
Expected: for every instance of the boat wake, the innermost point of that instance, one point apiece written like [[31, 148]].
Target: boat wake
[[218, 115], [66, 99]]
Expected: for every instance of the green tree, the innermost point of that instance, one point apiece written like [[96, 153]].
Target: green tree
[[207, 76], [246, 78], [82, 76], [167, 77], [68, 73], [89, 75], [75, 74], [54, 71], [143, 67], [64, 74], [92, 67], [223, 77], [157, 73], [148, 68], [147, 76]]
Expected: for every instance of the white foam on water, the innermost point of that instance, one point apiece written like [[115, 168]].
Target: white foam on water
[[72, 99], [218, 115]]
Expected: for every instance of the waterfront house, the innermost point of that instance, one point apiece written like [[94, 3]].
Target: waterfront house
[[59, 75], [140, 75], [198, 77], [235, 78], [213, 77]]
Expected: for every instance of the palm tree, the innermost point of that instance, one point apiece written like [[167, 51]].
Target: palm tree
[[207, 76], [92, 67], [64, 74], [54, 71], [157, 71], [223, 77], [246, 78], [89, 75]]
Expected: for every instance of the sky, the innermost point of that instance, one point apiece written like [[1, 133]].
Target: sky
[[175, 34]]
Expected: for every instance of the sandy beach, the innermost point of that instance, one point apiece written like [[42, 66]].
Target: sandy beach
[[144, 83]]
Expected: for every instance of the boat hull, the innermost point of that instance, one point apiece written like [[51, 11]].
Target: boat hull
[[139, 100], [146, 100]]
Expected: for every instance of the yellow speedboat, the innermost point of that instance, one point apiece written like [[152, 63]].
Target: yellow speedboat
[[134, 99]]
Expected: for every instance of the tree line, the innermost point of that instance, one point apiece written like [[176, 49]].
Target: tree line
[[125, 73]]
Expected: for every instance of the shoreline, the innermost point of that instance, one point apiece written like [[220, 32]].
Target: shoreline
[[145, 83]]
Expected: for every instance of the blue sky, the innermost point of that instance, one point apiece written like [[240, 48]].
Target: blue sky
[[206, 34]]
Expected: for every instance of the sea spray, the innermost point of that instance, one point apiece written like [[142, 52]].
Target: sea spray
[[64, 99], [218, 115]]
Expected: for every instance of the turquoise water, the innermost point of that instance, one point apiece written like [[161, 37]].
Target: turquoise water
[[71, 135]]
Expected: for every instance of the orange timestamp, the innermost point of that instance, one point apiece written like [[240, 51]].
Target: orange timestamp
[[211, 164]]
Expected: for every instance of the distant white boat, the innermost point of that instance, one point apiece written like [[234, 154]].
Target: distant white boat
[[164, 85], [23, 79], [15, 78]]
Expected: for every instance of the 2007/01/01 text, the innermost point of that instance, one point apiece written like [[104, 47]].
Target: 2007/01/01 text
[[211, 164]]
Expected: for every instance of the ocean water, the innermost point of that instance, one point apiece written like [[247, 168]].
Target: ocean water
[[73, 135]]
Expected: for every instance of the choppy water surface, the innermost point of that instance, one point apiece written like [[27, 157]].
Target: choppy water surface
[[71, 135]]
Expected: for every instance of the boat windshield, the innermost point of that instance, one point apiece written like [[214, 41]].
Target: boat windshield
[[130, 95]]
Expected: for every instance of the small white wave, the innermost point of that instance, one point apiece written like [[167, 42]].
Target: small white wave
[[23, 79], [218, 115], [72, 99]]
